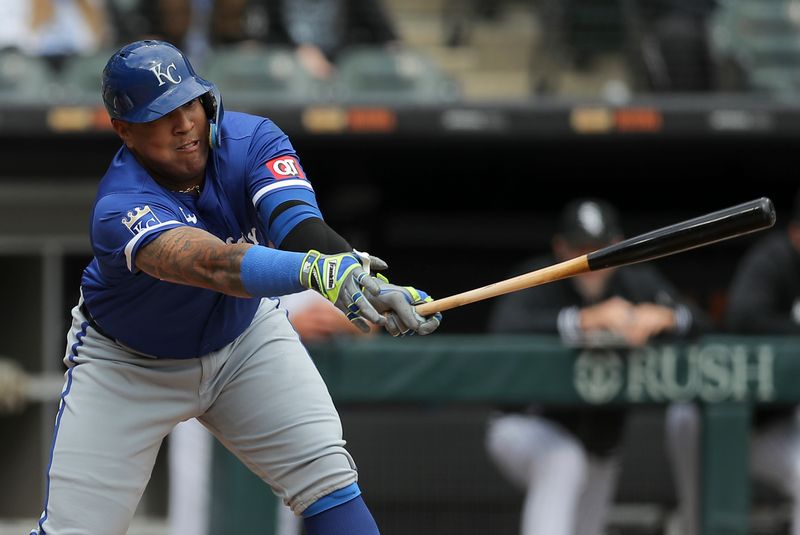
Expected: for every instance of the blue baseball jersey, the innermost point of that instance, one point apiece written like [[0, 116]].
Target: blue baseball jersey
[[255, 170]]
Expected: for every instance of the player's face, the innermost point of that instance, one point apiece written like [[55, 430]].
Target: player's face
[[173, 148]]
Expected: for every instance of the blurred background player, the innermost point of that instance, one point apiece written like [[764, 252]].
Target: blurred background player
[[321, 29], [318, 30], [190, 445], [764, 299], [566, 459], [54, 29], [12, 386]]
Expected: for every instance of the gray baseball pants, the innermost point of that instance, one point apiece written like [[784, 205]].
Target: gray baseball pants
[[260, 395]]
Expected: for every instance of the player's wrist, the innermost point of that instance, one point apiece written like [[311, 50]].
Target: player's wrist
[[308, 280], [267, 272]]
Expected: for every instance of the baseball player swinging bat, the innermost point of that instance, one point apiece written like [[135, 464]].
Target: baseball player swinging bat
[[735, 221]]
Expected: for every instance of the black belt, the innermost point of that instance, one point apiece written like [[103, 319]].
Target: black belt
[[90, 320]]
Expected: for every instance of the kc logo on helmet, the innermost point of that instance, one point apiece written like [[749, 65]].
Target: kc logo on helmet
[[285, 167], [162, 75]]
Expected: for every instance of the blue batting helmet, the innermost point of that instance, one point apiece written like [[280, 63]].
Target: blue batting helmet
[[146, 80]]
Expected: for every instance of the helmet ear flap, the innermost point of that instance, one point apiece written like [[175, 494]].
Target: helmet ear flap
[[213, 136], [212, 102]]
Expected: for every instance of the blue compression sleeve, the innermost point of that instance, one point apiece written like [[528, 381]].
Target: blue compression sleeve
[[269, 272]]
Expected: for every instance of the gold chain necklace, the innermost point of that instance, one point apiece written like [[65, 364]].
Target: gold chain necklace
[[191, 190]]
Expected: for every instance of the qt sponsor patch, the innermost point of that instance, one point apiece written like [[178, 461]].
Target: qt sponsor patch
[[285, 167]]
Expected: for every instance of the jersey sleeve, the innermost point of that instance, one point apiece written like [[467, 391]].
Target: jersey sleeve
[[122, 224], [278, 185]]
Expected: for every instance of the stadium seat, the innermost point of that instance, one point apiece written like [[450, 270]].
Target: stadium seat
[[24, 79], [259, 76], [375, 74], [81, 78], [762, 41]]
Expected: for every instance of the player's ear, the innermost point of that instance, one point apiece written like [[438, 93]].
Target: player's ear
[[122, 128]]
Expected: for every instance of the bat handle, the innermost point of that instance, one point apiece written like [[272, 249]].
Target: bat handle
[[562, 270], [426, 309]]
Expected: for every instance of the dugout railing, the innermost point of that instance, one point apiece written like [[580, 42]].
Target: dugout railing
[[727, 375]]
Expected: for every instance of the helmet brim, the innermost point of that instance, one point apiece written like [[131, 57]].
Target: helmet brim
[[171, 99]]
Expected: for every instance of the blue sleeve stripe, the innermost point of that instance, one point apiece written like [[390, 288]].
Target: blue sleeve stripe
[[278, 185], [268, 272], [276, 198], [337, 497], [129, 247]]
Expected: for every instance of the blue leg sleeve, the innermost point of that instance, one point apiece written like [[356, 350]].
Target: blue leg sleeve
[[342, 512]]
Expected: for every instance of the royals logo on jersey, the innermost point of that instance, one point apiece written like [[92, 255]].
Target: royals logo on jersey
[[140, 219], [285, 167]]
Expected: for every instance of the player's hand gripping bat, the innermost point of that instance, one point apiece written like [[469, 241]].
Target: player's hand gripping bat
[[704, 230]]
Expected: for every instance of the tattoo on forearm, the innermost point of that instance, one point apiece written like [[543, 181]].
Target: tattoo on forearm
[[191, 256]]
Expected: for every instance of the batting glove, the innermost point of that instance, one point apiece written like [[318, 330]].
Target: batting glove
[[342, 280], [397, 304]]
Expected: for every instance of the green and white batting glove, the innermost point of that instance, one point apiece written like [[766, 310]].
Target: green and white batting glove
[[397, 304], [342, 280]]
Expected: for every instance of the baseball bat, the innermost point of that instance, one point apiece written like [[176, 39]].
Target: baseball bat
[[735, 221]]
